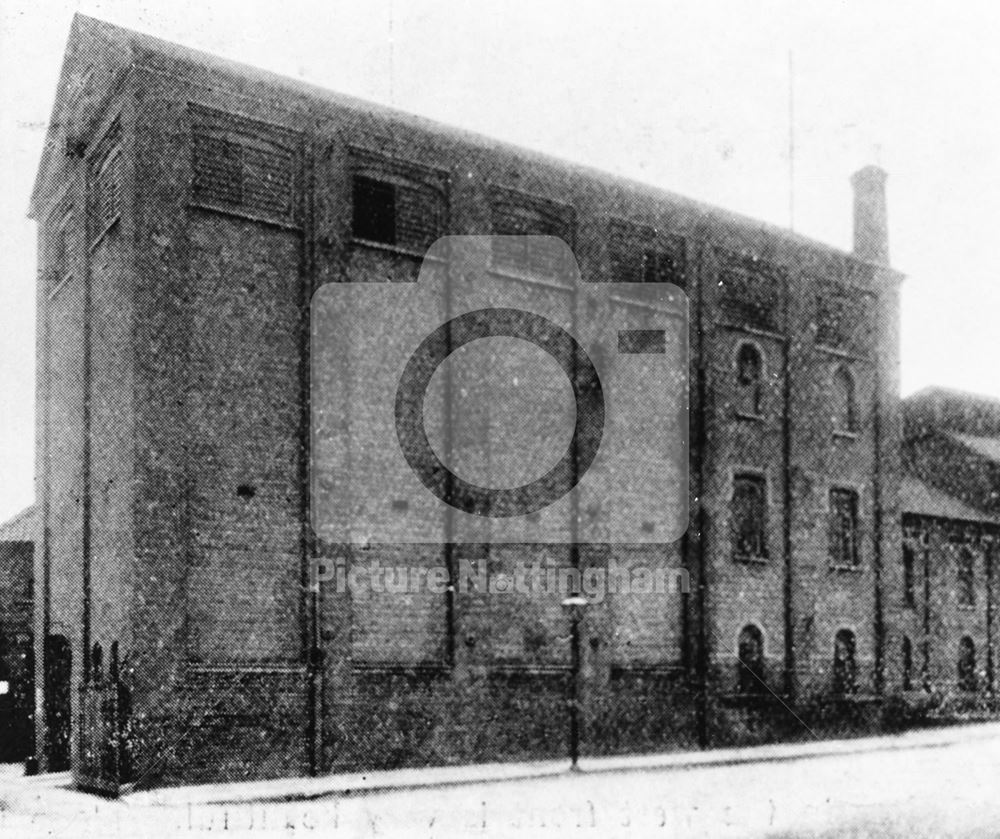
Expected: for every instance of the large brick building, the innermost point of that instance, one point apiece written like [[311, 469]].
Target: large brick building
[[946, 638], [188, 209]]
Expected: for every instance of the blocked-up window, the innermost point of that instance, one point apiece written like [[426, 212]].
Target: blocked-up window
[[750, 296], [244, 166], [749, 380], [844, 407], [392, 209], [751, 661], [749, 517], [844, 528], [516, 215], [638, 255], [842, 317], [966, 577]]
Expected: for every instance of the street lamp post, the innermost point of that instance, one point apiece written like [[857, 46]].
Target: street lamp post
[[575, 604]]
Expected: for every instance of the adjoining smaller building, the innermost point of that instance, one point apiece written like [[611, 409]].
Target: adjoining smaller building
[[946, 631], [17, 660]]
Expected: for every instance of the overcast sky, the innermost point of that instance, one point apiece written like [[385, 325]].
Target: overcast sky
[[691, 96]]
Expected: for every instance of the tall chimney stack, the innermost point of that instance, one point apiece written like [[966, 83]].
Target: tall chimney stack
[[871, 226]]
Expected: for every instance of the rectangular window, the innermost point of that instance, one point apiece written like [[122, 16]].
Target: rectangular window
[[638, 255], [844, 528], [842, 318], [966, 577], [750, 296], [244, 166], [397, 203], [749, 517], [515, 215]]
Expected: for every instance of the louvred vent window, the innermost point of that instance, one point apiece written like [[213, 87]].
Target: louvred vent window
[[638, 255], [750, 297], [246, 167], [397, 203], [105, 205], [518, 215]]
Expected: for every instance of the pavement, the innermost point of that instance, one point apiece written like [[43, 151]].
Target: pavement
[[938, 782]]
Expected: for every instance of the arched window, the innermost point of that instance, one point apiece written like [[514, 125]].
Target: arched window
[[907, 664], [751, 660], [845, 409], [844, 667], [749, 380], [966, 664], [966, 577]]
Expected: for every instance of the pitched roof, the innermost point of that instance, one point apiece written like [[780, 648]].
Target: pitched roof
[[22, 527], [119, 48], [920, 498], [987, 447]]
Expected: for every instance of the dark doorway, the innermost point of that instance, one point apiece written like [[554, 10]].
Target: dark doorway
[[844, 666], [58, 714], [15, 710], [751, 654]]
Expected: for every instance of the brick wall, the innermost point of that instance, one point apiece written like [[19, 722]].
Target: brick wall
[[197, 475]]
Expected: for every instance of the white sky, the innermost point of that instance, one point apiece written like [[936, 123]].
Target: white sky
[[689, 96]]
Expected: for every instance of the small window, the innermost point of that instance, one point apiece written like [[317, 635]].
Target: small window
[[749, 517], [106, 194], [967, 664], [966, 577], [749, 380], [844, 528], [907, 664], [751, 661], [845, 412], [844, 664], [909, 576], [397, 211]]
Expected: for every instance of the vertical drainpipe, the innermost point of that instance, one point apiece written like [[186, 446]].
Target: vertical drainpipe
[[989, 546], [41, 647], [310, 582], [699, 443], [82, 178], [786, 461]]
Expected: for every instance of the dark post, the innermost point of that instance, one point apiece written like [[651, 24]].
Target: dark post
[[575, 604]]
